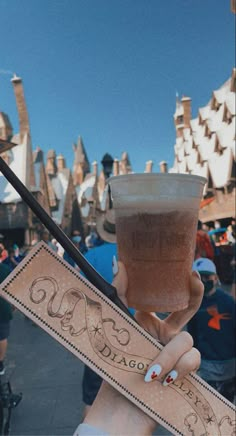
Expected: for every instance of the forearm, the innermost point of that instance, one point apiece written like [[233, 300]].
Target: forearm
[[115, 415]]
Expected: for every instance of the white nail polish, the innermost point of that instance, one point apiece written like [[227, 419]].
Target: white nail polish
[[153, 373], [115, 268], [170, 378]]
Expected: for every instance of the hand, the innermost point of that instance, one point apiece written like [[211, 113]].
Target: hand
[[178, 357], [111, 411]]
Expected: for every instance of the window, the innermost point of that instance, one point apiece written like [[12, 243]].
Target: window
[[180, 119]]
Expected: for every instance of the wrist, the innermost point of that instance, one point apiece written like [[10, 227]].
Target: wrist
[[115, 414]]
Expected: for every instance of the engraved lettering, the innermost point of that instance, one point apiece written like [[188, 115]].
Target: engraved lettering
[[123, 361], [197, 401], [190, 394], [104, 351], [114, 356], [140, 366], [180, 386]]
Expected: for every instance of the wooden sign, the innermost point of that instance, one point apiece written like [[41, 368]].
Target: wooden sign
[[56, 297]]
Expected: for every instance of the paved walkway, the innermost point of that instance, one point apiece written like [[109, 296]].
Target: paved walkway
[[49, 377]]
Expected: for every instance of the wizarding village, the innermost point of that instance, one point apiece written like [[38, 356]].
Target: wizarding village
[[52, 390]]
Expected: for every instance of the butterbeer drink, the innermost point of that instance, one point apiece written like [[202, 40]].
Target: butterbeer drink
[[156, 223]]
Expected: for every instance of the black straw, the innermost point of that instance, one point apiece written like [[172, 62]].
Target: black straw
[[92, 275]]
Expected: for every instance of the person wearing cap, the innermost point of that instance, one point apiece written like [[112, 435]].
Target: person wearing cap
[[101, 258], [213, 331]]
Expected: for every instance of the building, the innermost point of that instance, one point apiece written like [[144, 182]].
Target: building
[[51, 185], [16, 219], [205, 146]]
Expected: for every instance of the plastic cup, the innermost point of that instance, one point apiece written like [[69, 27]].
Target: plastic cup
[[156, 224]]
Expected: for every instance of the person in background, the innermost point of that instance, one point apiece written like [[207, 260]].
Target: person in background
[[5, 319], [3, 252], [233, 262], [204, 247], [45, 236], [76, 241], [100, 258], [93, 239], [213, 332], [82, 246], [14, 257]]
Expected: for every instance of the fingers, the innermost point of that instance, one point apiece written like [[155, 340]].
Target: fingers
[[177, 320], [120, 280], [167, 359], [189, 362]]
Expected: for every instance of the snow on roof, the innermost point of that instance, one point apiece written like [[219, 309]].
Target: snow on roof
[[188, 145], [221, 92], [212, 131], [230, 103], [192, 159], [215, 119], [60, 184], [37, 167], [103, 198], [226, 134], [18, 164], [207, 147], [85, 192], [186, 133], [182, 167], [220, 95], [204, 112], [198, 135], [180, 154], [220, 167], [16, 138], [179, 109], [86, 188], [202, 170], [194, 124]]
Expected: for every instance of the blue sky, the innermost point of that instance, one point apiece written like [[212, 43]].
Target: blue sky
[[108, 70]]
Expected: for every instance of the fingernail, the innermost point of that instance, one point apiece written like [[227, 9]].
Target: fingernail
[[196, 273], [115, 268], [153, 373], [170, 378]]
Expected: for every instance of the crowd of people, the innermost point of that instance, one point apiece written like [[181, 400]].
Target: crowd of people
[[212, 328]]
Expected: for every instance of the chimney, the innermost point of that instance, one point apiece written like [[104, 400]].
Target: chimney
[[21, 106], [163, 167], [186, 102], [95, 168], [149, 165], [179, 117], [233, 78], [51, 168], [115, 167], [5, 127], [61, 162], [233, 6]]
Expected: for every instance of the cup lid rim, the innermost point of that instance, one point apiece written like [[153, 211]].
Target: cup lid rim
[[189, 177]]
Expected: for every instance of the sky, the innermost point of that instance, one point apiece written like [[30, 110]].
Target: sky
[[109, 70]]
